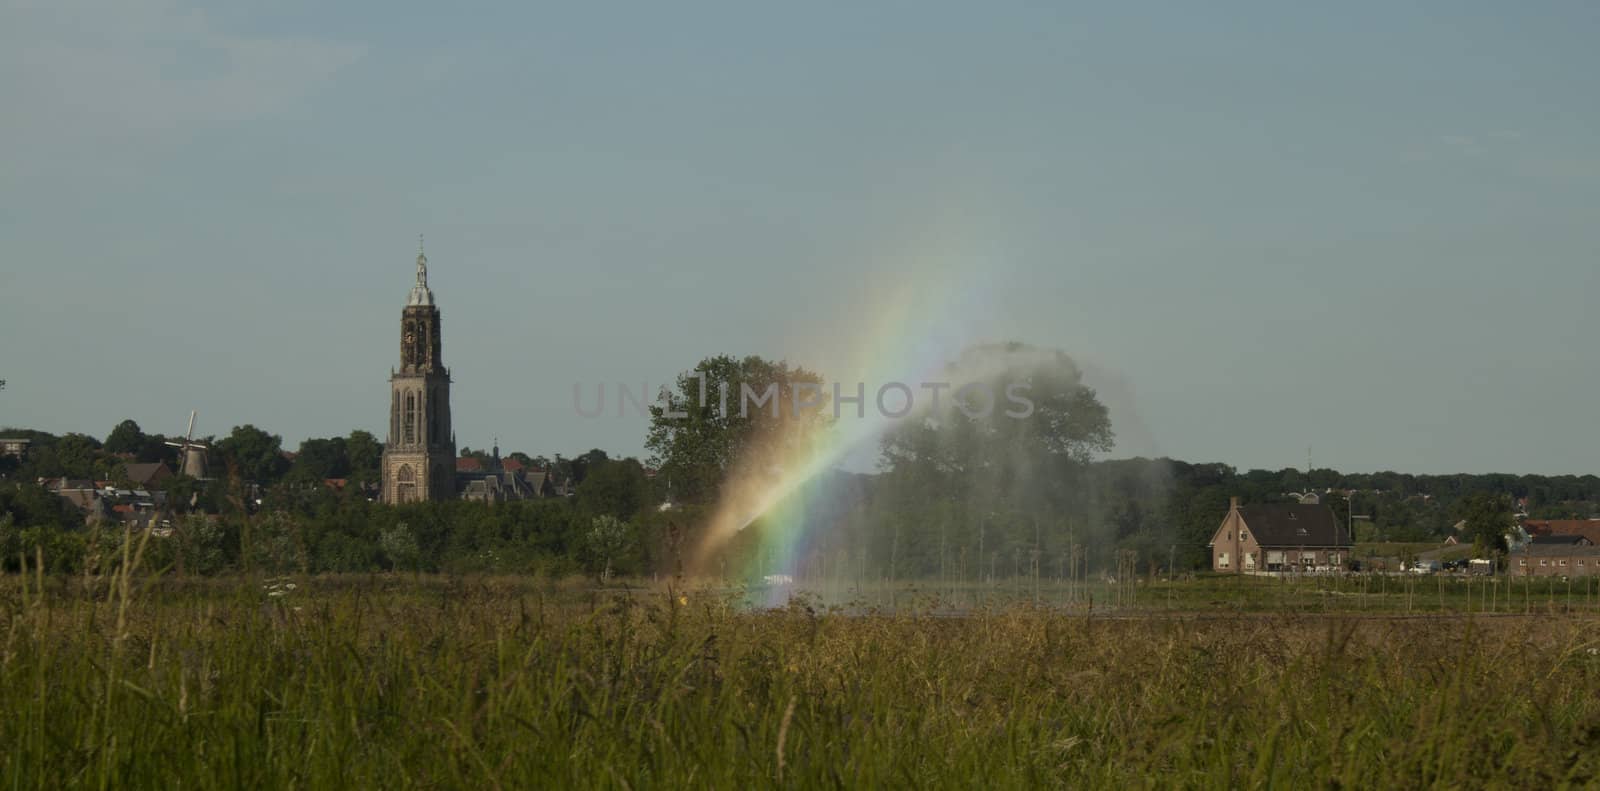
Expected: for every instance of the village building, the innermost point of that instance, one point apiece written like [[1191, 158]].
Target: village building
[[147, 476], [1278, 538], [15, 447], [1555, 556], [1588, 528], [500, 480]]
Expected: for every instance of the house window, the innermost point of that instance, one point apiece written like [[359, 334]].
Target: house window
[[1544, 562], [1563, 563], [1522, 562], [1243, 536], [1333, 559], [1249, 560], [1308, 558], [1222, 560]]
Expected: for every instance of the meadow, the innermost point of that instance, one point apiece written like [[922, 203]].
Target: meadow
[[405, 681]]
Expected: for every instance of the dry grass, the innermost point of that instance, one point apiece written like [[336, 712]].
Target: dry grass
[[496, 683]]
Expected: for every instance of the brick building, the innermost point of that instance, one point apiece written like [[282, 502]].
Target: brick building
[[1281, 537]]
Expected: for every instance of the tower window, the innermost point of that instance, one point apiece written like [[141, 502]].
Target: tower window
[[411, 418]]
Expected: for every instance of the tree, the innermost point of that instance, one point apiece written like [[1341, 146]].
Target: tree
[[1487, 517], [321, 458], [616, 488], [31, 505], [607, 538], [257, 454], [71, 456], [365, 455], [1002, 454], [199, 544], [982, 472], [755, 424], [125, 438], [578, 469], [399, 545]]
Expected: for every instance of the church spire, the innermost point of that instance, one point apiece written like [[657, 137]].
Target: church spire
[[422, 264], [420, 293]]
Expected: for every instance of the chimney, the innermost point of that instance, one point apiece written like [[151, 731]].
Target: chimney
[[1233, 504]]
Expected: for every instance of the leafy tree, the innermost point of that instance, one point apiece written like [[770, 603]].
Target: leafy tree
[[1487, 517], [576, 470], [257, 455], [1002, 488], [607, 538], [399, 545], [70, 456], [318, 459], [700, 450], [615, 488], [200, 543], [365, 455], [125, 438], [31, 505]]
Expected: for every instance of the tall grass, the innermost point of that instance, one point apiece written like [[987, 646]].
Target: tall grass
[[402, 682]]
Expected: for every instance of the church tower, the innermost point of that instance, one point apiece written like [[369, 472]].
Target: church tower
[[419, 458]]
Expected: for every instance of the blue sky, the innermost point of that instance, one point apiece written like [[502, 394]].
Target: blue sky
[[1360, 227]]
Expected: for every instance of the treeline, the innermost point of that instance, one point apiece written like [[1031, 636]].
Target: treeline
[[1161, 510], [606, 526], [262, 509], [965, 493], [960, 494]]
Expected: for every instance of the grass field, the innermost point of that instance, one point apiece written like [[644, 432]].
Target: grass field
[[433, 682]]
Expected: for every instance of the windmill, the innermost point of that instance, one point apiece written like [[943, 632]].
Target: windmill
[[191, 454]]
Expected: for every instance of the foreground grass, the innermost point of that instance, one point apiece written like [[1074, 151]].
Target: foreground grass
[[399, 683]]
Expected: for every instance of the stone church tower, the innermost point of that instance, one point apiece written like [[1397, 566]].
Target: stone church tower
[[419, 458]]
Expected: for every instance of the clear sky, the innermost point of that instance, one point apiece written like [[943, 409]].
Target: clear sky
[[1371, 228]]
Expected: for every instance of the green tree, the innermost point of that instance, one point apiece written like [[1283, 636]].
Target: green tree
[[1488, 518], [578, 469], [319, 458], [125, 438], [257, 455], [31, 505], [699, 450], [199, 544], [399, 546], [1018, 460], [365, 455], [987, 476], [615, 488], [607, 538], [70, 456]]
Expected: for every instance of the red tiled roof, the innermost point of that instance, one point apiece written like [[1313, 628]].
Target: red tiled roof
[[1588, 528], [468, 464], [510, 465]]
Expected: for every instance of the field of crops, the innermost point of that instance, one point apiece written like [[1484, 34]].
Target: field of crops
[[401, 681]]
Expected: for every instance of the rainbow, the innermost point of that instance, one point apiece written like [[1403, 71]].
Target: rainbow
[[916, 330]]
